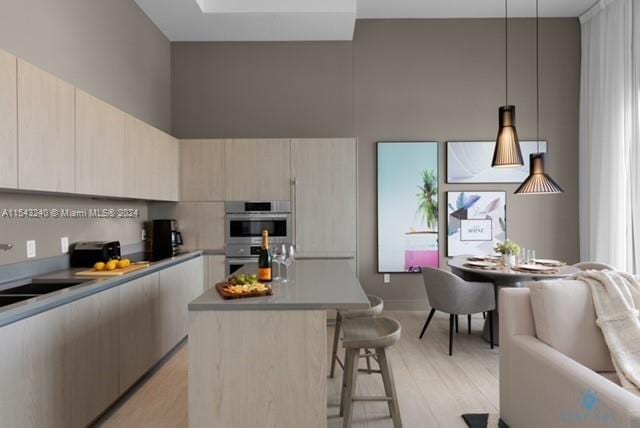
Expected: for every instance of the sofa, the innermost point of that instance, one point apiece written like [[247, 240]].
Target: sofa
[[555, 367]]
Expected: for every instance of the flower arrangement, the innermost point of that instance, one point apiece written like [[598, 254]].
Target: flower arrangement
[[507, 248]]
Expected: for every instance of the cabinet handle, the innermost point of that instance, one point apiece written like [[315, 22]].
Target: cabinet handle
[[294, 216]]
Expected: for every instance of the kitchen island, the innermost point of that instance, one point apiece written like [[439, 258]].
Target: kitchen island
[[263, 361]]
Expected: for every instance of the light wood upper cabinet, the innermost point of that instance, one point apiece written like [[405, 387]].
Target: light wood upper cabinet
[[166, 187], [100, 147], [35, 367], [139, 156], [258, 169], [201, 224], [8, 121], [46, 131], [325, 196], [94, 358], [139, 334], [202, 170]]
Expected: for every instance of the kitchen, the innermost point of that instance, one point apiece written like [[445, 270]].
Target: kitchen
[[145, 146]]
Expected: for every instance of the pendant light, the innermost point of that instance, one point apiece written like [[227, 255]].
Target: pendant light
[[538, 181], [507, 153]]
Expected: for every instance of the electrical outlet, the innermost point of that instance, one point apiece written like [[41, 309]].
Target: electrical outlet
[[31, 249], [64, 244], [387, 278], [143, 234]]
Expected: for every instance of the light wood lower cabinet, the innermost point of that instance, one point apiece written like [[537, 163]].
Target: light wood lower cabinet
[[64, 367], [46, 131], [214, 267], [179, 285], [35, 371], [8, 121], [95, 353], [138, 334]]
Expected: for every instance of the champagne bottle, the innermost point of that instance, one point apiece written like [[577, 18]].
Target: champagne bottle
[[265, 259]]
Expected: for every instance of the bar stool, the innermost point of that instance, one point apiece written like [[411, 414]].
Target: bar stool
[[375, 308], [377, 333]]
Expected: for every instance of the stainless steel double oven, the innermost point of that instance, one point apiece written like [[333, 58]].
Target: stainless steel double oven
[[244, 223]]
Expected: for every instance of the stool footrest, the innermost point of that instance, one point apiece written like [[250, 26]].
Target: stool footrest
[[370, 371], [369, 398]]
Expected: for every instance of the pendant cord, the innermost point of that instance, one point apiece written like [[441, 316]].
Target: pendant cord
[[537, 80], [506, 53]]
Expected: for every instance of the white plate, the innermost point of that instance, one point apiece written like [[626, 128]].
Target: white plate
[[549, 262], [534, 268], [482, 264]]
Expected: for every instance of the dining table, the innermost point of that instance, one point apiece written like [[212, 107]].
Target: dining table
[[502, 276]]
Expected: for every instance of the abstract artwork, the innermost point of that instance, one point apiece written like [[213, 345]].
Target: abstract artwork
[[407, 206], [476, 221], [470, 162]]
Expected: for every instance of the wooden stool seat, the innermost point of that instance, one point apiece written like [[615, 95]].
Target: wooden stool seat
[[375, 309], [377, 333], [376, 305], [370, 332]]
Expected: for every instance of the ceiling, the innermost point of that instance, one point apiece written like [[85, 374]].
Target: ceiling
[[285, 20]]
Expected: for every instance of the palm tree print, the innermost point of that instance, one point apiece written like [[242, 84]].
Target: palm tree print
[[428, 198]]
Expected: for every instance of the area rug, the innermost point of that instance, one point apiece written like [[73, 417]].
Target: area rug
[[483, 420]]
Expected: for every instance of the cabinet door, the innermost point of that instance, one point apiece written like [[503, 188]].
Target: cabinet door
[[139, 159], [95, 355], [8, 121], [201, 224], [35, 369], [165, 168], [179, 285], [325, 196], [100, 147], [257, 169], [202, 170], [214, 270], [138, 334], [46, 131]]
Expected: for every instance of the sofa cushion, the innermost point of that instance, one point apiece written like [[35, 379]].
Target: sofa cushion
[[565, 319]]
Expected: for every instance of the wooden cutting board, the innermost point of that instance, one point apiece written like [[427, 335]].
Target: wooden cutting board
[[118, 272], [226, 295]]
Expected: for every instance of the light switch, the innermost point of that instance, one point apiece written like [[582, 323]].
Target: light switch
[[31, 249], [387, 278], [64, 244]]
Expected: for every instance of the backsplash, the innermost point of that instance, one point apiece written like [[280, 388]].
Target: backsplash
[[46, 219]]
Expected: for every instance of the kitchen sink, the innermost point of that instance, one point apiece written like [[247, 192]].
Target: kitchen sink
[[10, 300], [38, 287]]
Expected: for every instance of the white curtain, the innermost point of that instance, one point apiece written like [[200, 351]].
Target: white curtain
[[610, 135]]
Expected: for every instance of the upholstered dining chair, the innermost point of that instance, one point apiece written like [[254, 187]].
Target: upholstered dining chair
[[593, 266], [451, 294]]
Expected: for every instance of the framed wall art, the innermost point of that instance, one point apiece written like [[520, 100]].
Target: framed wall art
[[470, 162], [407, 206], [476, 221]]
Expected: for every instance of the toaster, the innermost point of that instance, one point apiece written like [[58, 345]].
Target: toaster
[[86, 254]]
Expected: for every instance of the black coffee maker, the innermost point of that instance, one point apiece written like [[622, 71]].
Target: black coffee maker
[[163, 238]]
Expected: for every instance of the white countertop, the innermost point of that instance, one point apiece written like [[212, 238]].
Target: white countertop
[[313, 284]]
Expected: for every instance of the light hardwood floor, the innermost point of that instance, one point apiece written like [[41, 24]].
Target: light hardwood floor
[[433, 388]]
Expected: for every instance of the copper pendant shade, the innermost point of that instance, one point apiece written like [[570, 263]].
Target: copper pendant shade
[[538, 181], [507, 153]]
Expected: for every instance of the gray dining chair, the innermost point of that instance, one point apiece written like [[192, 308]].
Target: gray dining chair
[[593, 266], [451, 294]]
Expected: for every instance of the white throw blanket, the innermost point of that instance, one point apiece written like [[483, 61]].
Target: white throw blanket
[[616, 297]]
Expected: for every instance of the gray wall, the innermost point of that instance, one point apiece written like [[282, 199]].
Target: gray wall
[[399, 79], [47, 232], [108, 48]]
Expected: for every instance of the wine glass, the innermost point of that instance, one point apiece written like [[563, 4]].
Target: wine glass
[[288, 253], [278, 257]]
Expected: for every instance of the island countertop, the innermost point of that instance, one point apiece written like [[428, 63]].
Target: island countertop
[[313, 284]]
